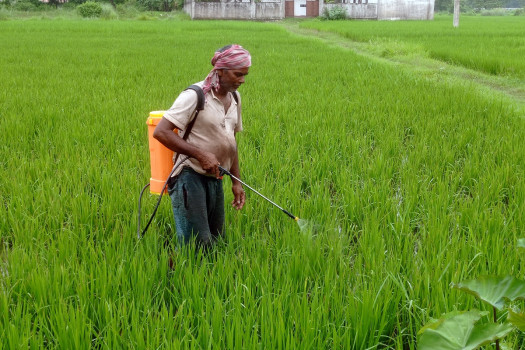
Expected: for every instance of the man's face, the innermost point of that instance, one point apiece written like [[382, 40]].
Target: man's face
[[231, 79]]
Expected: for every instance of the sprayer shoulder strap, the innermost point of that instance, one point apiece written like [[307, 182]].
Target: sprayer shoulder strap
[[236, 96], [200, 106]]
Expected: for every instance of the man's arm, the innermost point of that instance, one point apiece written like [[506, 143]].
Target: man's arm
[[164, 134], [239, 197]]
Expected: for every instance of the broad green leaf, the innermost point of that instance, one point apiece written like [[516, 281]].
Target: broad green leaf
[[460, 332], [433, 324], [494, 289], [517, 320], [521, 243]]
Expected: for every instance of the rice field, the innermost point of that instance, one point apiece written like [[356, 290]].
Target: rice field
[[494, 45], [408, 185]]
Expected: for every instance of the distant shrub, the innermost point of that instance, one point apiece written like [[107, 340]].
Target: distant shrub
[[24, 6], [519, 12], [129, 9], [494, 12], [108, 12], [145, 17], [4, 13], [68, 5], [334, 13], [159, 5], [90, 9]]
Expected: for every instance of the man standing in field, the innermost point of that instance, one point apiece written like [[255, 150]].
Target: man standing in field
[[196, 187]]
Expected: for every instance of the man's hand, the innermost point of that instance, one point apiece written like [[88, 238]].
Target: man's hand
[[239, 197], [210, 164]]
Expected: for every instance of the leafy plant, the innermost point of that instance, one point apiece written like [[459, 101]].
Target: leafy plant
[[463, 330], [494, 290]]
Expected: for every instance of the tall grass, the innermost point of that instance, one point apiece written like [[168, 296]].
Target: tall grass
[[495, 45], [412, 184]]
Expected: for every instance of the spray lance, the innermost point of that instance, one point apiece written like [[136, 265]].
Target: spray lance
[[224, 171]]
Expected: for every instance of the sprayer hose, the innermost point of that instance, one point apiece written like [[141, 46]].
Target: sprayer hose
[[139, 234]]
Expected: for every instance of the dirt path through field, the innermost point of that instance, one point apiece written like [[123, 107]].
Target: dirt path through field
[[511, 88]]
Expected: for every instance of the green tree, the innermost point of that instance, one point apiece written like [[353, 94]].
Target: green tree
[[486, 4], [54, 3], [159, 5]]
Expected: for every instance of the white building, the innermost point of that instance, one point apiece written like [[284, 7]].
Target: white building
[[279, 9]]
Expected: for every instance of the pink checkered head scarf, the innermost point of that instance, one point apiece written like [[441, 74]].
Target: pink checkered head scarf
[[232, 57]]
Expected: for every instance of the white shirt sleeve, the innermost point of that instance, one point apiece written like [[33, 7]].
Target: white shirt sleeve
[[182, 110]]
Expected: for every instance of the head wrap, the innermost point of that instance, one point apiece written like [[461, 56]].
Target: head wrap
[[234, 57]]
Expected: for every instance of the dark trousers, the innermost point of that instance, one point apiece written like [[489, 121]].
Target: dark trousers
[[198, 207]]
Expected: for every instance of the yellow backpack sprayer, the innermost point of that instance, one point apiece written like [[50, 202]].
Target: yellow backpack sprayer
[[161, 160]]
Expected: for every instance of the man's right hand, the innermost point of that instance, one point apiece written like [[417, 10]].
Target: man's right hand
[[164, 133], [209, 163]]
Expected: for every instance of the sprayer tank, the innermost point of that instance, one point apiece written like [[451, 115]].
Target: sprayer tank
[[161, 157]]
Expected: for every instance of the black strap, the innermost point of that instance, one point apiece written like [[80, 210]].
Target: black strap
[[236, 97], [200, 96], [200, 106]]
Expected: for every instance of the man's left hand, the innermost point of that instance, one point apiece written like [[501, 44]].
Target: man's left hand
[[239, 197]]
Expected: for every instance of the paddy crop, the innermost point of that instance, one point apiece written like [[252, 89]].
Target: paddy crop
[[494, 45], [411, 183]]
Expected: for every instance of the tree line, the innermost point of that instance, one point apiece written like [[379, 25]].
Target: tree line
[[474, 5]]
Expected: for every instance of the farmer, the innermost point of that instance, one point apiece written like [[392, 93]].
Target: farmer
[[196, 187]]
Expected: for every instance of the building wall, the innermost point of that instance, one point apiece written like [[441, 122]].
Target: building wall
[[256, 10], [405, 9], [279, 9]]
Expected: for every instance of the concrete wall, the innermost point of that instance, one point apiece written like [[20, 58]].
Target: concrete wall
[[405, 9], [355, 11], [275, 9], [256, 10]]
